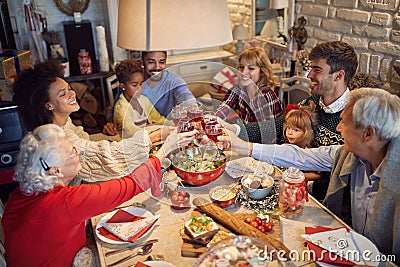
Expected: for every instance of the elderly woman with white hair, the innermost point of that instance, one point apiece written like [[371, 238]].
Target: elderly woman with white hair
[[44, 219], [364, 188]]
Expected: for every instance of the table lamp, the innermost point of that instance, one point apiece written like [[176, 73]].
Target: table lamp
[[279, 5], [159, 25], [240, 33]]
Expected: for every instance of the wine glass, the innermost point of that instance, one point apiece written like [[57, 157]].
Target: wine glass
[[213, 131], [177, 113], [209, 117], [184, 125], [195, 112]]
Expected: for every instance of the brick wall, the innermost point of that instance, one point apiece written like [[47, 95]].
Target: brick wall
[[372, 27]]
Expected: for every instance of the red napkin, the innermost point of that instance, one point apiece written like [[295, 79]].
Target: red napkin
[[123, 216], [141, 264], [325, 256]]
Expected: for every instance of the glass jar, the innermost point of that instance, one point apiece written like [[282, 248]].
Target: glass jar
[[85, 63], [292, 193]]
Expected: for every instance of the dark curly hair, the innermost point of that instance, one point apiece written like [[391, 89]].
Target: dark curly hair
[[31, 92], [126, 68], [339, 56]]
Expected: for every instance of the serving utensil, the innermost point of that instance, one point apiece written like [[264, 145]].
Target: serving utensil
[[142, 244], [144, 250]]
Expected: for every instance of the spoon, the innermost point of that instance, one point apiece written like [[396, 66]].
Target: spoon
[[130, 247], [146, 249]]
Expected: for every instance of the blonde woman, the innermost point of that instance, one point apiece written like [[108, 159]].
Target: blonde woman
[[253, 98]]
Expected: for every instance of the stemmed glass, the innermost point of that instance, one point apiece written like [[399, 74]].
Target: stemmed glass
[[209, 117], [213, 131], [195, 112], [177, 113], [184, 125]]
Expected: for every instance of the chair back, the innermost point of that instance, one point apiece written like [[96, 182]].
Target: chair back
[[112, 83], [296, 89]]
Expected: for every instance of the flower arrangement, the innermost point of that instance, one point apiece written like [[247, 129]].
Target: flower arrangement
[[304, 60]]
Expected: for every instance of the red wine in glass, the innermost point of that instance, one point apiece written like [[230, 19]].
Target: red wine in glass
[[178, 113], [213, 131], [209, 119], [195, 112], [184, 125]]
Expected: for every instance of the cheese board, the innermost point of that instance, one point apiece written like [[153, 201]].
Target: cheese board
[[191, 248]]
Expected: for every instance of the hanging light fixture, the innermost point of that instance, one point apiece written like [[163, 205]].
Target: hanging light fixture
[[173, 24]]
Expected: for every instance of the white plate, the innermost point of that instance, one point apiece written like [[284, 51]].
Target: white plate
[[240, 167], [132, 210], [159, 264], [363, 244]]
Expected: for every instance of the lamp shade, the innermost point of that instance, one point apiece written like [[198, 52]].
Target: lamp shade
[[278, 4], [240, 32], [173, 24]]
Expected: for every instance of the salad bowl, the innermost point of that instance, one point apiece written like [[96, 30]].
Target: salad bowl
[[198, 166]]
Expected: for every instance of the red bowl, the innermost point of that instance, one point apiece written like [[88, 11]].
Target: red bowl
[[199, 178]]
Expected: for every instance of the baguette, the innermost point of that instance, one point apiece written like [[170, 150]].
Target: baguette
[[237, 225]]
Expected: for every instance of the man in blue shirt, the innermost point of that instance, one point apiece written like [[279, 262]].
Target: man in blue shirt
[[364, 188], [164, 88]]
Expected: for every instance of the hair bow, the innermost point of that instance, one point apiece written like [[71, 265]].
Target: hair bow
[[291, 107]]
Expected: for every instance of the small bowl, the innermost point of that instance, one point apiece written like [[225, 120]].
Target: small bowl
[[223, 195], [180, 200], [257, 193]]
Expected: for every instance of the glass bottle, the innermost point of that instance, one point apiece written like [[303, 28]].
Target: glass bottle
[[292, 193]]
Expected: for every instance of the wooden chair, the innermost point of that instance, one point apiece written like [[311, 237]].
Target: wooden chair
[[296, 89], [2, 250], [112, 84]]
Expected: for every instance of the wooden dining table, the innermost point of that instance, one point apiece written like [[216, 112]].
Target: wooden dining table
[[169, 227]]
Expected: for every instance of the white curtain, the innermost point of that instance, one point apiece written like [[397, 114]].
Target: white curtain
[[118, 53]]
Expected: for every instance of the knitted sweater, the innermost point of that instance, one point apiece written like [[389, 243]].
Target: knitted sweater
[[271, 130], [384, 226], [104, 160]]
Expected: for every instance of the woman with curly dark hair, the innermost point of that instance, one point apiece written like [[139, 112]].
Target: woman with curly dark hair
[[44, 97]]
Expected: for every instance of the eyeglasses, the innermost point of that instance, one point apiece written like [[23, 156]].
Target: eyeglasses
[[46, 167], [74, 153]]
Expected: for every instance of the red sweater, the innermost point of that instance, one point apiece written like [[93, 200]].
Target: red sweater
[[48, 229]]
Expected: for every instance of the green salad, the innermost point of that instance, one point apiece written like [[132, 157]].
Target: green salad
[[198, 164]]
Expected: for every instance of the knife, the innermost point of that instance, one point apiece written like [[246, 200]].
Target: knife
[[141, 244]]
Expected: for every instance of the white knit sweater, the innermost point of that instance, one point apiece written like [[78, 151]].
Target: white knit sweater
[[105, 160]]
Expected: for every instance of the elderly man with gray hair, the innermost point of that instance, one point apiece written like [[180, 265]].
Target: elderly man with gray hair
[[364, 188]]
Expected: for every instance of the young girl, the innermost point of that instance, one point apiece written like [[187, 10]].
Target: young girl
[[299, 129], [133, 111]]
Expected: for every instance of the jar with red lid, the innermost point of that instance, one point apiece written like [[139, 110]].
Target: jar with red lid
[[292, 193], [85, 63]]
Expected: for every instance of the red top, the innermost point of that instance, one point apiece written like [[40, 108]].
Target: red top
[[48, 229]]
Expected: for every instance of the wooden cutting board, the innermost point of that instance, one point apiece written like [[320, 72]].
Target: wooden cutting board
[[194, 250]]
